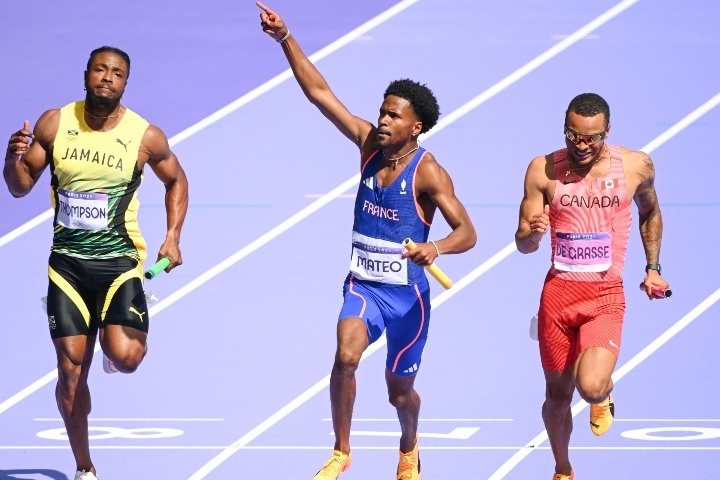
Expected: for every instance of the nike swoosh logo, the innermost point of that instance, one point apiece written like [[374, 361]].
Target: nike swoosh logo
[[595, 425]]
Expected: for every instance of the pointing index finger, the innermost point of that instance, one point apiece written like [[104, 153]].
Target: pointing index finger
[[265, 8]]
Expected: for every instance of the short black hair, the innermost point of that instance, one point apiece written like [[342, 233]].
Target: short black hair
[[114, 50], [589, 105], [421, 99]]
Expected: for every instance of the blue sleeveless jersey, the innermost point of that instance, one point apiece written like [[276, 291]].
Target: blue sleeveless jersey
[[384, 217]]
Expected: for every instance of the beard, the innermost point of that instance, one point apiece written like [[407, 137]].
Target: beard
[[381, 144], [101, 103]]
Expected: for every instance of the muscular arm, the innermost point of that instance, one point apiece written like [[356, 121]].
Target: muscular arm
[[166, 166], [433, 181], [22, 169], [533, 219], [651, 224], [314, 85], [640, 172]]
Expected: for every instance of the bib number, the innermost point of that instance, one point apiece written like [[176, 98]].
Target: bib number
[[583, 252], [82, 210], [378, 260]]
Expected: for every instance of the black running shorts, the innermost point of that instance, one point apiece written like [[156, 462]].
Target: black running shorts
[[84, 295]]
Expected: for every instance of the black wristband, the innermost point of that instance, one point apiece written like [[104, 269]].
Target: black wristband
[[653, 266]]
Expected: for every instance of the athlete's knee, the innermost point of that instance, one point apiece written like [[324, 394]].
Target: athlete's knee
[[347, 359], [70, 377], [347, 356], [593, 390], [400, 399], [129, 359], [558, 395]]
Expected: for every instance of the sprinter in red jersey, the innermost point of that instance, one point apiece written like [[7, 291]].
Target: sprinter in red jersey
[[582, 195]]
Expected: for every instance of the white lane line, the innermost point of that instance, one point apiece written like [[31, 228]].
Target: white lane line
[[620, 373], [287, 74], [428, 420], [682, 420], [534, 64], [91, 419], [458, 433], [30, 389], [682, 124], [356, 34], [320, 195], [560, 36], [27, 226], [321, 447]]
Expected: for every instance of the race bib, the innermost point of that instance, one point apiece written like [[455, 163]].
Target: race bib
[[583, 252], [82, 210], [378, 260]]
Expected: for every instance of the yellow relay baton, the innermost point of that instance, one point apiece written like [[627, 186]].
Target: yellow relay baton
[[432, 269]]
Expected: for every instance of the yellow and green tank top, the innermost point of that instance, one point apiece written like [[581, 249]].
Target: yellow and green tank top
[[94, 185]]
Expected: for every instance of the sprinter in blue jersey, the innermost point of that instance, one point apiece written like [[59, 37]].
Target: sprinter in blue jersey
[[402, 186]]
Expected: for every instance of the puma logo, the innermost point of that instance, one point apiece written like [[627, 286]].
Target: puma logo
[[123, 143], [132, 309]]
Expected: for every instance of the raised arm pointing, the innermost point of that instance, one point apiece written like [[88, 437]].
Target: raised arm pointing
[[312, 82]]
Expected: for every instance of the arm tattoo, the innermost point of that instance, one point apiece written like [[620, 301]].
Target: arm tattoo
[[648, 163], [651, 224]]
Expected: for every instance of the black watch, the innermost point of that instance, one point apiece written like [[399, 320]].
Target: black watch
[[653, 266]]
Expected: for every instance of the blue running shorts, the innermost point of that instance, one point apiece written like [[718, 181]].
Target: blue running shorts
[[404, 311]]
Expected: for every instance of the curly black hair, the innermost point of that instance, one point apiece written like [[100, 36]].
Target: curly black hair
[[114, 50], [421, 99], [589, 105]]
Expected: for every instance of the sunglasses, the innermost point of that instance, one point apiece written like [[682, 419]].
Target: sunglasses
[[576, 137]]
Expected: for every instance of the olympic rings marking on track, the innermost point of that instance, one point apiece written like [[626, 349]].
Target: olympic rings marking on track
[[114, 432], [695, 433]]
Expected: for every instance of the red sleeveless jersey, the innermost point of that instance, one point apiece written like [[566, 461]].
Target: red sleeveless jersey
[[589, 222]]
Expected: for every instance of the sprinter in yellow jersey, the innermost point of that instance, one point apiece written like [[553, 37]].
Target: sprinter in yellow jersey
[[97, 150]]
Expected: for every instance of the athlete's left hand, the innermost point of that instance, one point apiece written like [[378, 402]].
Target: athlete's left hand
[[654, 280], [171, 250], [424, 254]]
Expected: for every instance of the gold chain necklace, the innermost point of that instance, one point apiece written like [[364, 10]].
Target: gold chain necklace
[[93, 116], [569, 170]]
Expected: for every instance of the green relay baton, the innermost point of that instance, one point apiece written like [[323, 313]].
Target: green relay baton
[[161, 265]]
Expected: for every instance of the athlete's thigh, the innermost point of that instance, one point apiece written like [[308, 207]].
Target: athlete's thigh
[[70, 302], [408, 321], [603, 328], [556, 338], [360, 301], [594, 367], [120, 294], [74, 352]]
